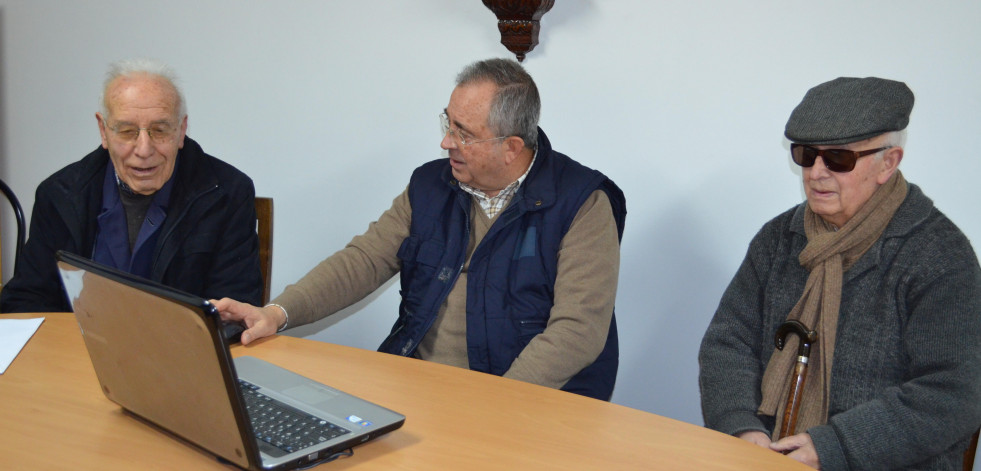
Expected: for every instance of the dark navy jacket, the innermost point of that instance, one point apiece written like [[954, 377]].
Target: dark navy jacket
[[512, 271], [208, 245]]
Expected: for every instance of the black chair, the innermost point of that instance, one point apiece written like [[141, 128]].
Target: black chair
[[19, 214]]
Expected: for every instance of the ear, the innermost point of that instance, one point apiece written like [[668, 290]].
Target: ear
[[513, 147], [890, 162], [102, 129]]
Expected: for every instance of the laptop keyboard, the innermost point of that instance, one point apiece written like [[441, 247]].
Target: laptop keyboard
[[283, 426]]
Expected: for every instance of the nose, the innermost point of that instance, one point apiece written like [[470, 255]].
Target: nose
[[447, 143], [144, 146], [818, 170]]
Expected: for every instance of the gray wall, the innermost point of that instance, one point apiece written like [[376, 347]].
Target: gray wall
[[329, 105]]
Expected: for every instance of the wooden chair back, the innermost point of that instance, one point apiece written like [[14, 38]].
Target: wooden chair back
[[264, 214], [972, 450]]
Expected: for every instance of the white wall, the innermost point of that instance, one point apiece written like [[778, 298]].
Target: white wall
[[329, 105]]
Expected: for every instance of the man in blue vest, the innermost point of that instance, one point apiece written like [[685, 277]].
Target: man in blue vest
[[508, 251]]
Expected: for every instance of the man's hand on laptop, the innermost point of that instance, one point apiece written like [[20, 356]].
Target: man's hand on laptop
[[259, 321]]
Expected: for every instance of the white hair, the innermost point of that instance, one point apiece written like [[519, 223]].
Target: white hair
[[893, 139], [896, 138], [130, 67]]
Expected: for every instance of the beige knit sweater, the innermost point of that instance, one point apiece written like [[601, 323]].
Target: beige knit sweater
[[585, 290]]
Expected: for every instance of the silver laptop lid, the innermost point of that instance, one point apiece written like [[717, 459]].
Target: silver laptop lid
[[160, 355]]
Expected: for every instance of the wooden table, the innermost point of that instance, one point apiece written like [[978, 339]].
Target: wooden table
[[53, 416]]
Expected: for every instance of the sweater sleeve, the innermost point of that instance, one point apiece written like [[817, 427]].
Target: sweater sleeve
[[585, 291], [352, 273]]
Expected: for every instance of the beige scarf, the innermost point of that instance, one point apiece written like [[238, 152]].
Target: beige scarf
[[827, 256]]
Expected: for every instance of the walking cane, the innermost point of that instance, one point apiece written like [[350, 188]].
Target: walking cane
[[806, 338]]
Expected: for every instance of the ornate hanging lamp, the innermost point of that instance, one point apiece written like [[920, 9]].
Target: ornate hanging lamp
[[518, 21]]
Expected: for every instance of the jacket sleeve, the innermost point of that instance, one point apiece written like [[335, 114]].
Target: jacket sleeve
[[235, 271], [730, 365], [36, 286]]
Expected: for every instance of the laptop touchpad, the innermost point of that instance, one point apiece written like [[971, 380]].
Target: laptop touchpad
[[310, 394]]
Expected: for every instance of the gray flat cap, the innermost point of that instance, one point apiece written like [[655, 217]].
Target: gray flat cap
[[850, 109]]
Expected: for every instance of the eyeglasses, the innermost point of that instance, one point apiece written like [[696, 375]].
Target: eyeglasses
[[837, 160], [159, 133], [444, 123]]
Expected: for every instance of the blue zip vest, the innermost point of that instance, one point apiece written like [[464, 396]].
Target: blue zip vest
[[513, 269]]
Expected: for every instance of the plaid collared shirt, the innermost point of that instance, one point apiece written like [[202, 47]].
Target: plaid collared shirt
[[492, 206]]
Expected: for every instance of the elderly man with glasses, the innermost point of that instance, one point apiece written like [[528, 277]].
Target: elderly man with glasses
[[148, 201], [508, 251], [886, 292]]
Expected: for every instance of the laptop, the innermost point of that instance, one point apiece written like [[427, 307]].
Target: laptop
[[160, 354]]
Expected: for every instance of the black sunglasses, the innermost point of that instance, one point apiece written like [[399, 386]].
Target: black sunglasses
[[837, 160]]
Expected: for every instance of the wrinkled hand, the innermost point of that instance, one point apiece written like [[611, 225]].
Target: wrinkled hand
[[755, 436], [259, 321], [800, 448]]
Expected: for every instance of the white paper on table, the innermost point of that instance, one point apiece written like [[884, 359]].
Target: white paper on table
[[14, 334]]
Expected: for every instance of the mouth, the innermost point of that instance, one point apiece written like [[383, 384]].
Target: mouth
[[821, 193], [142, 171]]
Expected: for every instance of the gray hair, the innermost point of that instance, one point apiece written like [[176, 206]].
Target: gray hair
[[126, 68], [516, 106]]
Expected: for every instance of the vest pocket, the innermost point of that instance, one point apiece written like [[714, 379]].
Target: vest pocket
[[527, 245], [529, 328], [414, 251]]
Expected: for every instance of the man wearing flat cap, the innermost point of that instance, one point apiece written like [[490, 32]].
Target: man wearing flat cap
[[890, 288]]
